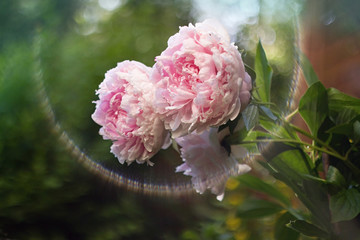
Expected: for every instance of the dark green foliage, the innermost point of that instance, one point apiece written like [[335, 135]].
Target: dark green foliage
[[257, 184], [263, 75], [257, 208], [251, 116], [313, 106], [345, 205], [281, 231], [307, 229], [324, 174]]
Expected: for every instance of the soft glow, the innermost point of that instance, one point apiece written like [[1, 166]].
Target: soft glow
[[232, 14], [109, 5]]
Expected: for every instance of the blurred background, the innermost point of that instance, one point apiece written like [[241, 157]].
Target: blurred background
[[54, 53]]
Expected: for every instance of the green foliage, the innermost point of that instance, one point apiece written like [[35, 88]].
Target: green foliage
[[345, 205], [256, 208], [338, 101], [307, 69], [323, 174], [268, 113], [303, 165], [263, 75], [307, 229], [281, 231], [257, 184], [334, 177], [313, 107], [251, 116]]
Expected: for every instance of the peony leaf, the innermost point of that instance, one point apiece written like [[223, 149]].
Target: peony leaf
[[313, 107], [308, 71], [256, 208], [345, 205], [292, 167], [257, 184], [338, 101], [307, 229], [281, 231], [295, 159], [250, 116], [263, 74], [344, 129], [334, 176], [268, 113], [346, 115]]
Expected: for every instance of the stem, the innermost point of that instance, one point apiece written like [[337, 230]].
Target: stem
[[334, 153], [291, 115], [326, 164], [350, 149], [303, 132], [262, 103], [284, 140]]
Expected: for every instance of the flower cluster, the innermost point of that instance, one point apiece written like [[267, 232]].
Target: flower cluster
[[198, 81], [207, 162], [198, 78], [125, 112]]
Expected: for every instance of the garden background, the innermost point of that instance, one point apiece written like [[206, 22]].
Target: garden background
[[59, 50]]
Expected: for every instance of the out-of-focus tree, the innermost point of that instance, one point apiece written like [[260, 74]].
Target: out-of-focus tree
[[45, 193]]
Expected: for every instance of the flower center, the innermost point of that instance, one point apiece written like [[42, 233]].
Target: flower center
[[187, 72]]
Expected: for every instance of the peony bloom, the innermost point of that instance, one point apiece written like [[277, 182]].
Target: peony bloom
[[125, 112], [199, 78], [207, 162], [245, 91]]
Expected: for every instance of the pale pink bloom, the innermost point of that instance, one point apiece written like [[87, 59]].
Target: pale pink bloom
[[207, 162], [245, 91], [198, 79], [125, 112]]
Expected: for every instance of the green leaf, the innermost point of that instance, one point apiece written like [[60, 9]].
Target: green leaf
[[268, 113], [296, 160], [313, 106], [257, 184], [344, 129], [263, 74], [250, 116], [334, 182], [338, 101], [316, 179], [345, 205], [273, 172], [346, 115], [333, 176], [292, 167], [308, 71], [281, 231], [256, 208], [307, 229]]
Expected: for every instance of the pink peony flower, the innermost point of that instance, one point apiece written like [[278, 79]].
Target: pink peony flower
[[245, 91], [125, 112], [207, 162], [199, 78]]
